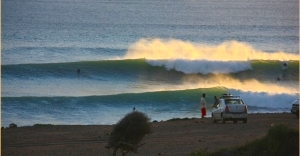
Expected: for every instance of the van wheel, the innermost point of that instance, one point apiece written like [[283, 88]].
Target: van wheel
[[245, 121], [234, 121], [213, 118], [222, 119]]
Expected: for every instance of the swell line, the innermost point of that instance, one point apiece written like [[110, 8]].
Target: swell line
[[134, 67]]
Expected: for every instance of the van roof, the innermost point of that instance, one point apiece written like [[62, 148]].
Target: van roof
[[229, 96]]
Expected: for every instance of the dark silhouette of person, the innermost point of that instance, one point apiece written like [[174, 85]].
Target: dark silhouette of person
[[284, 64], [216, 101], [78, 71]]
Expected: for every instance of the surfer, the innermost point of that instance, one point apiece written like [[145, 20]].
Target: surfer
[[278, 78], [284, 66], [78, 71]]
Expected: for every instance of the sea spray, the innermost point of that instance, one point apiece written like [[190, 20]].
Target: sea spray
[[178, 49], [202, 66], [251, 85]]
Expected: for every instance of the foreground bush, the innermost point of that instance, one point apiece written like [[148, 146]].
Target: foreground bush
[[280, 141], [128, 133]]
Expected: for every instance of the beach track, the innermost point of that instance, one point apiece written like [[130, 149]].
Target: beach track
[[172, 138]]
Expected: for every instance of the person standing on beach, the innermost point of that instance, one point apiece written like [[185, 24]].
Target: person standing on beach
[[203, 106]]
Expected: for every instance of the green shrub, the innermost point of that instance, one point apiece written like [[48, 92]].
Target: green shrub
[[42, 125], [128, 133], [13, 125], [280, 140]]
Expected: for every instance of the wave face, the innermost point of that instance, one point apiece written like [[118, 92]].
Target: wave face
[[108, 109], [129, 56], [132, 67], [104, 91], [142, 75]]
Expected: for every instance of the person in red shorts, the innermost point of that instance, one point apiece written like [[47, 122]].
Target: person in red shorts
[[203, 106]]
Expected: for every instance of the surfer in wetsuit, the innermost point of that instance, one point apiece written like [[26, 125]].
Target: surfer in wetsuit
[[78, 71], [284, 67], [284, 64], [278, 78]]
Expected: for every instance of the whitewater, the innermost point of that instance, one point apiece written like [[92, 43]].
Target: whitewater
[[159, 61]]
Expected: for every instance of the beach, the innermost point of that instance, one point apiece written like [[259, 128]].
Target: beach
[[170, 138]]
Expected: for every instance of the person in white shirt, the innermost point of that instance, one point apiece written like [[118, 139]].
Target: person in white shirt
[[203, 106]]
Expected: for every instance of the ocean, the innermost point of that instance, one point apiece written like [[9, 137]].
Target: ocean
[[91, 62]]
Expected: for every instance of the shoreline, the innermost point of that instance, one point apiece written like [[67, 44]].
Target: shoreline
[[172, 137], [152, 121]]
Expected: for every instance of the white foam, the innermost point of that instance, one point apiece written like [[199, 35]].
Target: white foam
[[202, 66], [266, 100], [179, 49]]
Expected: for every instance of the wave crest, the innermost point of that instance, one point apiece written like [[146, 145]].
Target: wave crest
[[202, 66], [178, 49]]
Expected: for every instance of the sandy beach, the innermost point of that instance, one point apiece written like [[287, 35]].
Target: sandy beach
[[172, 138]]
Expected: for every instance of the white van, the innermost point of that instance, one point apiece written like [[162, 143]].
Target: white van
[[295, 108], [230, 108]]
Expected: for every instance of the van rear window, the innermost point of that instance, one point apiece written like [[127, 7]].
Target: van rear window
[[233, 101]]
